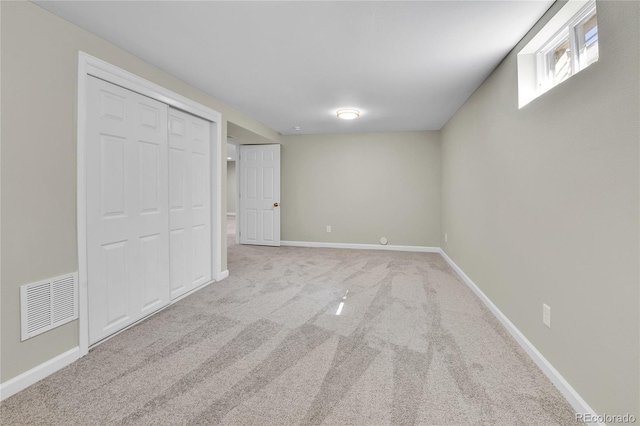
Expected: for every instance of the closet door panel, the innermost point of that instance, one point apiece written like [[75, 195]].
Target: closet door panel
[[127, 207], [190, 195]]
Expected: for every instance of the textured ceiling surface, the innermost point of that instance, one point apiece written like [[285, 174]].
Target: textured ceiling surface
[[404, 65]]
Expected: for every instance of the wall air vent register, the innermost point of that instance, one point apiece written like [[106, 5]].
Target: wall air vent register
[[47, 304]]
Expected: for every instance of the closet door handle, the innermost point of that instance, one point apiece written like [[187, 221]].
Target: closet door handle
[[275, 204]]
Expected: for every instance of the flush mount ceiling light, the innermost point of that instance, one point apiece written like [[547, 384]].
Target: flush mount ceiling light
[[348, 114]]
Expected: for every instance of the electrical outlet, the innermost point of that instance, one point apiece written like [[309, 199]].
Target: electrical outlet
[[546, 315], [446, 238], [328, 228]]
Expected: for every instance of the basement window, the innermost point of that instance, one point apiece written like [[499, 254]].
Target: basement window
[[566, 45]]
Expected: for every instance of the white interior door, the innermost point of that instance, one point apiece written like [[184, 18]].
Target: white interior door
[[127, 214], [260, 194], [190, 201]]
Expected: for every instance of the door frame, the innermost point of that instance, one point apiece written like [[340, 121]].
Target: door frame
[[91, 66], [237, 177]]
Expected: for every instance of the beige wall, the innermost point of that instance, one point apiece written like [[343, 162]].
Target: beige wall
[[364, 185], [39, 79], [231, 186], [541, 206]]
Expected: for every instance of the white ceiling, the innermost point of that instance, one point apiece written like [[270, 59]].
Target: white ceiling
[[405, 65]]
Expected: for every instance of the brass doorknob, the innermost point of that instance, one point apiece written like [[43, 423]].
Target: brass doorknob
[[275, 204]]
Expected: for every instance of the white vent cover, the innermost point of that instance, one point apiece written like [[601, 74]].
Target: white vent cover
[[48, 304]]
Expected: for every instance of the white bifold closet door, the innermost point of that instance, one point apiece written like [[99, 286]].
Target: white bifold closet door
[[189, 201], [127, 207]]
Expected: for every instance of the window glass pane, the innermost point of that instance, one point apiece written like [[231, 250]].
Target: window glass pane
[[561, 62], [587, 31]]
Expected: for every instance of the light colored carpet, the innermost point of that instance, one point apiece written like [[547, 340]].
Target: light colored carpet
[[412, 345]]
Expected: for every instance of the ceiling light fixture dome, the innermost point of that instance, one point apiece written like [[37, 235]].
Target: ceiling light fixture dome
[[348, 113]]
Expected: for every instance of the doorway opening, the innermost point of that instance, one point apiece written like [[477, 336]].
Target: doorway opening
[[232, 190]]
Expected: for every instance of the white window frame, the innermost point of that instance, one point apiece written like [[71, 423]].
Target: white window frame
[[535, 66], [568, 32]]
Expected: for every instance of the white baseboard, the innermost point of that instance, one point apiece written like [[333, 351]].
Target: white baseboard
[[576, 401], [422, 249], [222, 275], [28, 378]]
